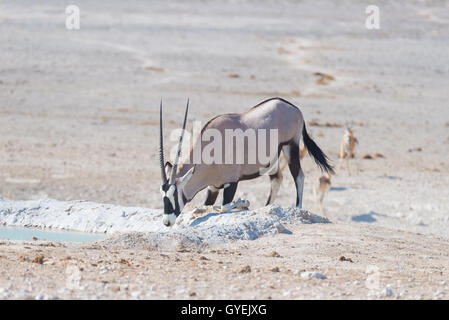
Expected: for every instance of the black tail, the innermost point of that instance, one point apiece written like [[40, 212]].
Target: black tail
[[316, 153]]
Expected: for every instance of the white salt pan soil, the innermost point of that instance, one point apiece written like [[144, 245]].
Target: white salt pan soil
[[210, 227]]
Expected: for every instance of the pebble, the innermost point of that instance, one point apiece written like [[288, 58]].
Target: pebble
[[136, 295], [104, 270], [245, 269], [387, 292], [4, 293]]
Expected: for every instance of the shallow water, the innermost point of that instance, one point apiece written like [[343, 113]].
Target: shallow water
[[15, 233]]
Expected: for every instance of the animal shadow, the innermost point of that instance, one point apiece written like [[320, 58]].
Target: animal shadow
[[338, 189], [366, 217]]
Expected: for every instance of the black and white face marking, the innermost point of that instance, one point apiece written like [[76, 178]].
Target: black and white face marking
[[173, 203], [174, 199]]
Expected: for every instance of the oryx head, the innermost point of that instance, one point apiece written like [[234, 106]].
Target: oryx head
[[172, 189]]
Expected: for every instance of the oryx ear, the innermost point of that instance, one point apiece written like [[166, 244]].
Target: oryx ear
[[168, 168], [186, 177]]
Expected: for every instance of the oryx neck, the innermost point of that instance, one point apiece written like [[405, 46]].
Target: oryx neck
[[183, 168]]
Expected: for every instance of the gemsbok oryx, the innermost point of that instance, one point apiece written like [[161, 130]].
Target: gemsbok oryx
[[272, 118]]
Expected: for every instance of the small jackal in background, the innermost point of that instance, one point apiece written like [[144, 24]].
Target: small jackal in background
[[347, 149], [320, 187]]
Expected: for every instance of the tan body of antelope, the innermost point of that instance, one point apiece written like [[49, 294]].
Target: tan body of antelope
[[320, 187], [188, 178], [347, 149], [302, 151]]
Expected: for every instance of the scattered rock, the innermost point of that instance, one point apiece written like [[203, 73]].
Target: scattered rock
[[343, 258], [34, 238], [233, 75], [368, 157], [245, 269], [151, 68], [275, 269], [387, 292], [379, 155], [125, 262], [283, 51], [315, 123], [180, 248], [104, 270], [274, 254], [312, 274], [198, 211], [203, 258], [281, 229], [39, 259], [323, 79], [192, 294]]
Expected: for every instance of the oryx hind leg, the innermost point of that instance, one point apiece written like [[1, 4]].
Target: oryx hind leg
[[291, 152], [276, 180], [211, 196]]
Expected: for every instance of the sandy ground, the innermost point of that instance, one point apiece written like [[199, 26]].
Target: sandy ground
[[266, 268], [78, 120]]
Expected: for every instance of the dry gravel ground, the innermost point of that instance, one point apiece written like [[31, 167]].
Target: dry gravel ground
[[78, 120], [378, 263]]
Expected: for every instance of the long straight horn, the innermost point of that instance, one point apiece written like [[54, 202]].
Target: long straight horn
[[161, 148], [178, 152]]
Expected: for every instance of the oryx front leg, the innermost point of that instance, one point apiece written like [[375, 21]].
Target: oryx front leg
[[211, 196], [229, 192]]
